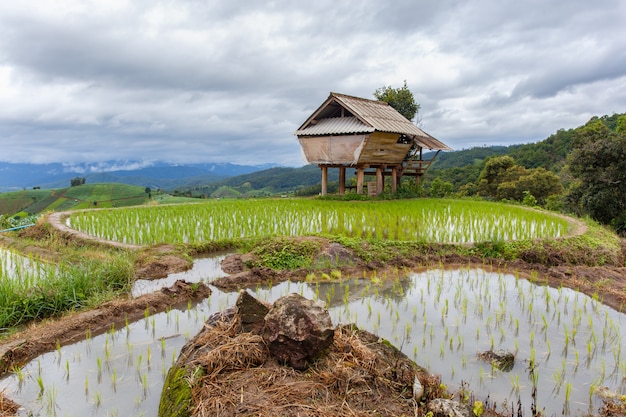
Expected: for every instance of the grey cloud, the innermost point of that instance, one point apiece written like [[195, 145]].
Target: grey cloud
[[572, 71], [194, 81]]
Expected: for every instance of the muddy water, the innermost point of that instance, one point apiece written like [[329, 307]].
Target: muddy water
[[441, 318]]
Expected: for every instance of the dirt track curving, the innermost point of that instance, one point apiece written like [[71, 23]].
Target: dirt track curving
[[57, 220]]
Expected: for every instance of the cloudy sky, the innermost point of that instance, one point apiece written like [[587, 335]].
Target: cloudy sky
[[230, 81]]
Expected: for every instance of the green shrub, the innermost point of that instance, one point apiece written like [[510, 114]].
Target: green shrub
[[286, 253]]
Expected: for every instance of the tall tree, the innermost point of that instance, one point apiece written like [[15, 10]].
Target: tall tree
[[598, 162], [400, 99]]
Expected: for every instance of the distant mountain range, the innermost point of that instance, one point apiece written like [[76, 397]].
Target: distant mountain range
[[155, 175]]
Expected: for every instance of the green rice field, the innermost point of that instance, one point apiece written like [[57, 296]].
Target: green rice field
[[434, 221]]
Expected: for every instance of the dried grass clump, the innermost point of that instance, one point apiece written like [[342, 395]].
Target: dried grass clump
[[359, 376], [7, 407], [241, 352], [614, 407]]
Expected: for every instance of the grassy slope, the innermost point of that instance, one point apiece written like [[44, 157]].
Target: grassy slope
[[80, 197], [16, 201]]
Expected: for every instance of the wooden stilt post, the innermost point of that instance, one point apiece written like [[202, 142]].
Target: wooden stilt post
[[324, 179], [342, 180], [394, 180], [360, 176], [380, 180], [418, 173]]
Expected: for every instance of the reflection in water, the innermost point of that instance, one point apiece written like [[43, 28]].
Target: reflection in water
[[441, 318], [204, 269]]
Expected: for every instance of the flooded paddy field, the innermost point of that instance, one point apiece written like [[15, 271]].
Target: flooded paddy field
[[566, 344]]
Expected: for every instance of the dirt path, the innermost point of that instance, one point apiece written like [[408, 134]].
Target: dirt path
[[57, 220]]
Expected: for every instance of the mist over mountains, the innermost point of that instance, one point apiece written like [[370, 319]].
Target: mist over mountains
[[154, 174]]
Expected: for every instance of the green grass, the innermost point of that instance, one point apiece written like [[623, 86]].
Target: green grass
[[283, 253], [32, 289]]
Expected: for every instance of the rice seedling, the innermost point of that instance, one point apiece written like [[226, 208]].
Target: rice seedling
[[51, 401], [18, 371], [99, 366], [114, 380], [107, 351], [97, 399], [40, 384], [67, 369], [568, 392]]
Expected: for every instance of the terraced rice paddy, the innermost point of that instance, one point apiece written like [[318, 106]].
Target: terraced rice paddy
[[443, 221]]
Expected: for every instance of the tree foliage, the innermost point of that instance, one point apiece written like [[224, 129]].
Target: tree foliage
[[74, 182], [503, 179], [494, 174], [401, 99], [598, 163], [440, 188]]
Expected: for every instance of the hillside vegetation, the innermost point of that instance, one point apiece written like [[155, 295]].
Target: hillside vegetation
[[263, 183], [103, 195]]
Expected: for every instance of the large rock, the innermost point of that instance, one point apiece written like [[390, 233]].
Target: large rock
[[499, 358], [297, 330], [251, 312]]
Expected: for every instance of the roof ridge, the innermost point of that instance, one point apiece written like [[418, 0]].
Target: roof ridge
[[382, 103]]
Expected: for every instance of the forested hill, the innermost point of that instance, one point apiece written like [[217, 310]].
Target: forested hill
[[261, 183], [550, 153], [464, 166]]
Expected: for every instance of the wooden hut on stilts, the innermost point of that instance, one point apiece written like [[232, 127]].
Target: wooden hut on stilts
[[369, 136]]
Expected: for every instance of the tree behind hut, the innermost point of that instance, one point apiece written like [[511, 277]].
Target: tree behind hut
[[401, 99]]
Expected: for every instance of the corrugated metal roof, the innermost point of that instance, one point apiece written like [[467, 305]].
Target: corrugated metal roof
[[336, 126], [368, 114], [431, 143]]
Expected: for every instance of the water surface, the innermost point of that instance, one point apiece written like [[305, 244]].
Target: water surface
[[440, 318]]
